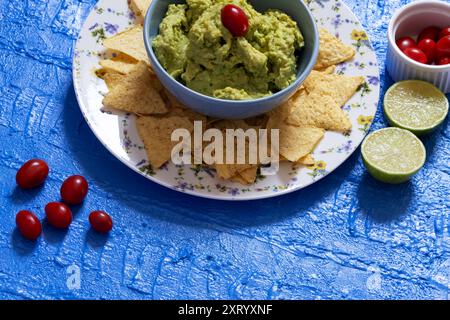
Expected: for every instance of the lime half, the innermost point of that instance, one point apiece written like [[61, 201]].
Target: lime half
[[393, 155], [417, 106]]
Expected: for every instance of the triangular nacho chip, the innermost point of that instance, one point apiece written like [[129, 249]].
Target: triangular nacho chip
[[332, 51], [140, 8], [307, 160], [156, 134], [121, 63], [249, 175], [238, 179], [136, 94], [281, 113], [246, 177], [340, 88], [319, 111], [112, 79], [295, 142], [328, 70], [298, 142], [227, 171], [129, 42]]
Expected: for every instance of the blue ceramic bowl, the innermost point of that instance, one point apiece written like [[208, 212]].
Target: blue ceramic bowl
[[232, 109]]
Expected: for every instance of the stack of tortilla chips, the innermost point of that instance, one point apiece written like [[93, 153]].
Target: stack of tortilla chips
[[302, 121]]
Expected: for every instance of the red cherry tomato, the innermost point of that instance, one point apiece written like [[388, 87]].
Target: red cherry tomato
[[100, 221], [28, 224], [443, 47], [429, 33], [444, 61], [444, 32], [405, 43], [32, 174], [235, 20], [416, 54], [74, 189], [58, 215], [428, 47]]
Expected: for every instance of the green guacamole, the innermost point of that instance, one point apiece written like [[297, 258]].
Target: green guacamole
[[196, 49]]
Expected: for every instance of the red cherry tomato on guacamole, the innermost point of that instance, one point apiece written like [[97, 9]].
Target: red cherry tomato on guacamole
[[58, 215], [416, 54], [405, 43], [32, 174], [444, 32], [235, 20], [443, 47], [428, 47], [28, 224], [444, 61], [74, 189], [100, 221], [429, 33]]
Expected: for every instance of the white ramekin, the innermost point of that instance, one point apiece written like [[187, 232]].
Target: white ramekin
[[409, 21]]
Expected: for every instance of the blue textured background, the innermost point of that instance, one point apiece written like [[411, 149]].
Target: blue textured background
[[345, 237]]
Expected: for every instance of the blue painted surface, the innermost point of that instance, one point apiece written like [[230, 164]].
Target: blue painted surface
[[344, 237]]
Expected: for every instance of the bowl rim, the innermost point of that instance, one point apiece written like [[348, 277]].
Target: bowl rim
[[392, 40], [299, 79]]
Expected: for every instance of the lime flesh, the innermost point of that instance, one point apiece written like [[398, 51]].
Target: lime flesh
[[393, 155], [415, 105]]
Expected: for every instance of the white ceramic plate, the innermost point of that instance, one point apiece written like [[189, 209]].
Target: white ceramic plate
[[118, 134]]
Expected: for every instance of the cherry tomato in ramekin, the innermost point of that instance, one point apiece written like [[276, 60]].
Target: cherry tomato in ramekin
[[443, 47], [428, 47], [406, 42], [444, 32], [416, 54], [429, 33], [444, 61]]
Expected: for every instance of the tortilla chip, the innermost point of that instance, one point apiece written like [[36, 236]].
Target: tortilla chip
[[328, 70], [100, 73], [249, 175], [140, 8], [230, 124], [280, 114], [187, 113], [227, 171], [259, 121], [113, 79], [319, 111], [298, 142], [136, 94], [121, 63], [332, 51], [246, 177], [340, 88], [156, 134], [307, 160], [129, 42], [238, 179], [173, 101]]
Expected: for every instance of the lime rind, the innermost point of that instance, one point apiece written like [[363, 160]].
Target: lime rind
[[388, 176], [425, 86]]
